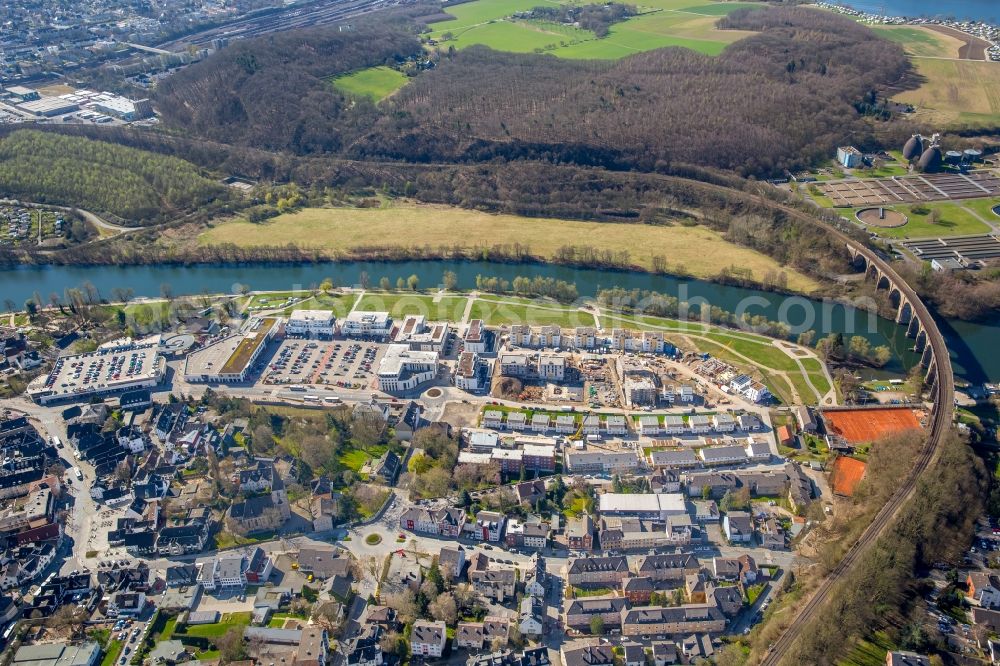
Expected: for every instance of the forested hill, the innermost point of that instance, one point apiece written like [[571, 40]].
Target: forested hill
[[274, 91], [769, 101], [778, 99], [131, 186]]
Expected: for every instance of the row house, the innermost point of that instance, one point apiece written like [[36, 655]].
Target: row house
[[488, 526], [667, 567], [691, 618], [580, 612], [448, 522], [528, 535], [596, 571]]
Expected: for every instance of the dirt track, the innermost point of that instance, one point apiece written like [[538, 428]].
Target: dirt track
[[974, 47]]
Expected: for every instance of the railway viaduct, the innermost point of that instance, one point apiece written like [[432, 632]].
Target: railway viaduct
[[912, 313], [902, 299]]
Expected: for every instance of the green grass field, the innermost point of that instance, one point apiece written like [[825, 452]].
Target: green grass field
[[376, 83], [227, 622], [448, 308], [816, 375], [764, 354], [699, 250], [984, 208], [495, 314], [112, 653], [920, 41], [685, 23], [954, 221]]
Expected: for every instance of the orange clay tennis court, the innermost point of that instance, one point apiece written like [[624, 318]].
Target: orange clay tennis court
[[847, 474], [858, 426]]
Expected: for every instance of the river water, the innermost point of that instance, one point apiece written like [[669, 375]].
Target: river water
[[969, 10], [972, 345]]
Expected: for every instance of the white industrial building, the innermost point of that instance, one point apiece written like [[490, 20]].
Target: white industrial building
[[311, 323], [653, 505], [403, 369]]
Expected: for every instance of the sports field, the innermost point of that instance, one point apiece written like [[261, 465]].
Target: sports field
[[686, 23], [956, 92], [376, 83], [847, 474], [861, 426], [699, 250]]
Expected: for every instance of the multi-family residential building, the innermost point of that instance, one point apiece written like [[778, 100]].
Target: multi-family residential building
[[600, 461], [527, 534], [447, 522], [495, 584], [738, 527], [585, 337], [597, 571], [680, 620], [552, 367], [420, 335], [667, 567], [311, 323], [477, 339], [367, 325], [488, 526], [580, 612], [402, 369], [472, 374], [539, 458], [427, 639]]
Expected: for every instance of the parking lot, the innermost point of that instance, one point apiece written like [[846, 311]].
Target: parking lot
[[344, 363]]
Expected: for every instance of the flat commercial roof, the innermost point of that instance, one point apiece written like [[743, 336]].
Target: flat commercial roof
[[322, 316], [107, 369], [644, 503], [246, 349]]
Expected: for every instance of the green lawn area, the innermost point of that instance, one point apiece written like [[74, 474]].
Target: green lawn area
[[918, 41], [339, 304], [495, 314], [815, 370], [954, 221], [276, 299], [376, 83], [685, 23], [227, 622], [763, 353], [984, 207], [447, 308], [869, 652], [112, 653], [224, 539], [580, 592], [354, 459]]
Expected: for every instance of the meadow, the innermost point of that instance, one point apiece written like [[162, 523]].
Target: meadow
[[376, 83], [921, 41], [956, 92], [661, 23], [700, 251]]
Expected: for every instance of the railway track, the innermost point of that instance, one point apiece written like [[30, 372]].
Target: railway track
[[941, 419], [319, 13]]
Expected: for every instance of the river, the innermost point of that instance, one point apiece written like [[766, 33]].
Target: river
[[972, 345], [968, 10]]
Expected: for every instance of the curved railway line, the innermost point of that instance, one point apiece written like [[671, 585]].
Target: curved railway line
[[941, 419]]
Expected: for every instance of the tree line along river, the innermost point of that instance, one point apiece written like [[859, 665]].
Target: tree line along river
[[971, 344]]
